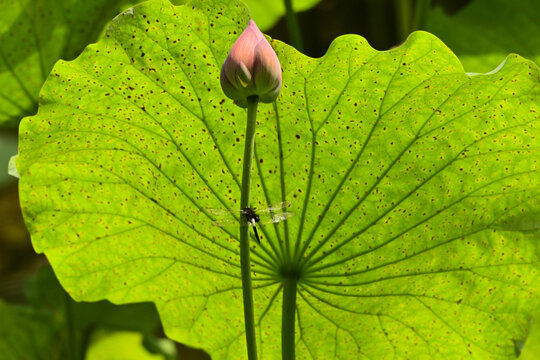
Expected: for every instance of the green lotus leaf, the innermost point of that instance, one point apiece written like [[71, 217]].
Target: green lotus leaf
[[36, 34], [266, 13], [532, 346], [485, 31], [120, 345], [411, 182], [44, 292], [27, 333]]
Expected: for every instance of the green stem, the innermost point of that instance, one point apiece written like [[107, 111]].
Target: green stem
[[420, 16], [245, 263], [404, 9], [288, 314], [70, 324], [292, 26]]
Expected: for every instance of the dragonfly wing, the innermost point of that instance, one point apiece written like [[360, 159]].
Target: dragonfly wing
[[275, 218], [223, 212], [276, 207], [222, 222], [224, 217], [228, 223]]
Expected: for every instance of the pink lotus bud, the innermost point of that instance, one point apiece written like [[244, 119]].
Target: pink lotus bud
[[251, 69]]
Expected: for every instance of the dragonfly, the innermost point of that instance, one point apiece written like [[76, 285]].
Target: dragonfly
[[270, 215]]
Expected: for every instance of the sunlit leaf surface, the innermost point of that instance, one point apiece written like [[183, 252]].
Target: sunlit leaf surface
[[415, 189], [34, 34], [120, 345], [532, 345]]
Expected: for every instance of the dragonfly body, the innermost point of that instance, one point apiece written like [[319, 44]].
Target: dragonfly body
[[272, 214], [253, 219]]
